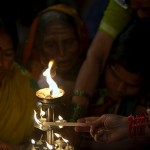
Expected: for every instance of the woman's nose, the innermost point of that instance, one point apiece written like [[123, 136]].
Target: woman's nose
[[61, 48]]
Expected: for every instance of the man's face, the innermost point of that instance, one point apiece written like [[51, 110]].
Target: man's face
[[6, 55]]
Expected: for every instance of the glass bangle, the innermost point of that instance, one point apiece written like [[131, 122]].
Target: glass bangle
[[81, 94]]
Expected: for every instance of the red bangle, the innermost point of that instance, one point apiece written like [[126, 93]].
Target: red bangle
[[137, 124]]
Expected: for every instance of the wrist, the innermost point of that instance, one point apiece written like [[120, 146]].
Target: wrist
[[81, 93], [126, 128], [78, 111], [81, 97], [139, 125]]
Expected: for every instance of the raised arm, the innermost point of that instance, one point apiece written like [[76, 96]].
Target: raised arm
[[114, 20], [93, 66]]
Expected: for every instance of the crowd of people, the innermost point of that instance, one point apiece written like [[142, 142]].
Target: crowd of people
[[105, 78]]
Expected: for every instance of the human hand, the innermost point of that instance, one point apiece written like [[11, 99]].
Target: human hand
[[88, 121], [109, 128], [105, 129]]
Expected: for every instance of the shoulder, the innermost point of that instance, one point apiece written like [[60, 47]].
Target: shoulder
[[115, 19], [24, 76]]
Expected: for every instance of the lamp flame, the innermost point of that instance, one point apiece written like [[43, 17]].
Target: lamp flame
[[32, 141], [42, 113], [49, 146], [36, 119], [57, 135], [66, 141], [54, 90], [60, 117]]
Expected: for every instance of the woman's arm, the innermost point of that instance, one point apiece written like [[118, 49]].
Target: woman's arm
[[111, 127], [113, 22]]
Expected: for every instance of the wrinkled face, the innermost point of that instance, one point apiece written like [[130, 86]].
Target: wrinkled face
[[60, 44], [6, 55], [142, 7], [121, 83]]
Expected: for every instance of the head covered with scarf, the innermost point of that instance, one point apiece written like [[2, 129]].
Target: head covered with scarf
[[53, 15], [17, 95]]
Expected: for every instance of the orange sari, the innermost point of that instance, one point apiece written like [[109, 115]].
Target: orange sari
[[28, 51]]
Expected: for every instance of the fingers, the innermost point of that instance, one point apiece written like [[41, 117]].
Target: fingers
[[88, 121], [100, 136], [82, 129], [98, 124]]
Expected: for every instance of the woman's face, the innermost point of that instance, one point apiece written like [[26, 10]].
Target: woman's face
[[60, 44], [142, 7], [120, 83], [6, 55]]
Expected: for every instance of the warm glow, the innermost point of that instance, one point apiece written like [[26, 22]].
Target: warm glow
[[60, 117], [54, 90], [35, 118], [66, 141], [57, 135], [49, 146], [40, 122], [32, 141], [42, 113]]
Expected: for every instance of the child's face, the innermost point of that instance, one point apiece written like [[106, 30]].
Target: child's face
[[60, 44], [120, 83], [6, 55]]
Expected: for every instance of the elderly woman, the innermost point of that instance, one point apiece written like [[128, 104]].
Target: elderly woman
[[17, 96], [58, 34]]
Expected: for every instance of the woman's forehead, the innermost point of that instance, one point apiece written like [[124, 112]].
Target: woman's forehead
[[60, 27], [5, 41], [128, 77]]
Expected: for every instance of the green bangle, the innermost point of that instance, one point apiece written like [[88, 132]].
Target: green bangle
[[81, 93], [77, 112]]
